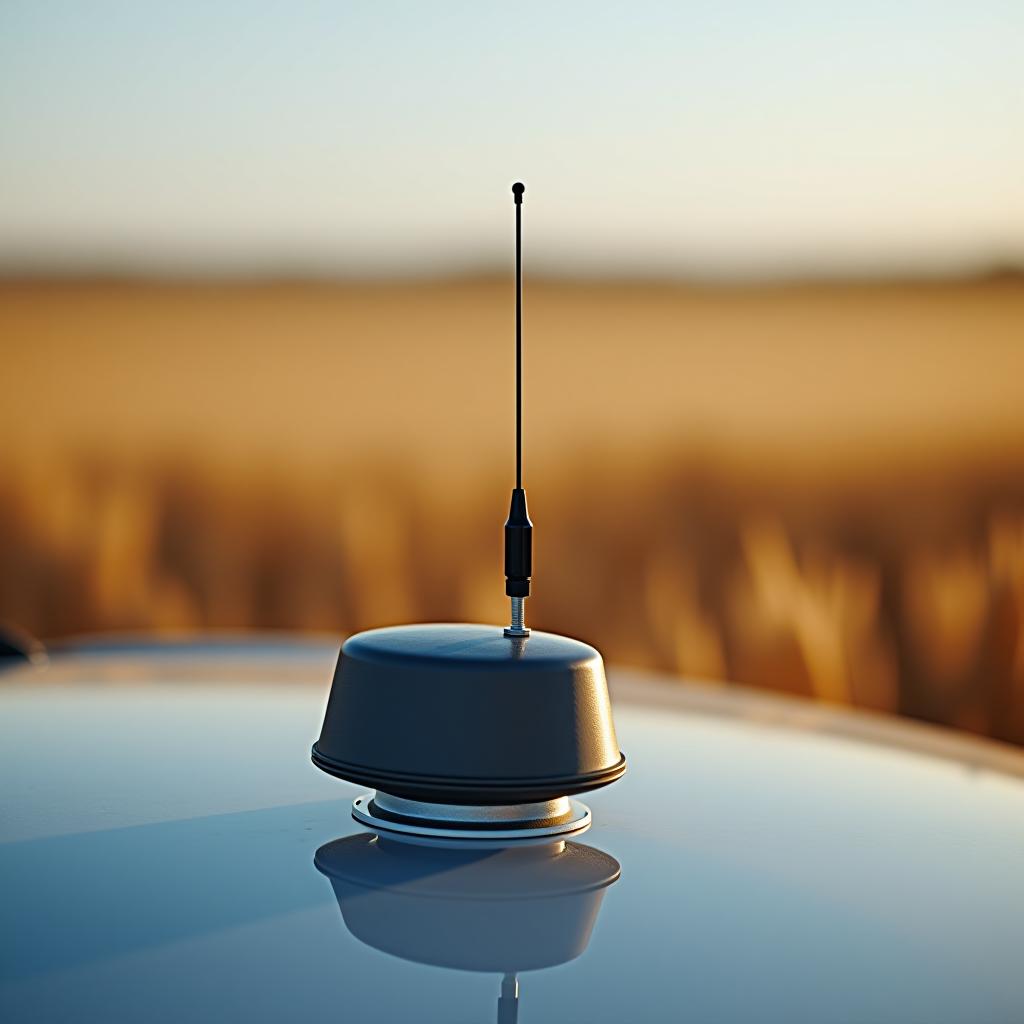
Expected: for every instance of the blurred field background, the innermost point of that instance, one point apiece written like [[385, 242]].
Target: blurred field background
[[817, 489], [256, 331]]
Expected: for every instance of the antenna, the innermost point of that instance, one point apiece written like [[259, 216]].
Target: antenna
[[517, 192], [502, 788], [518, 528]]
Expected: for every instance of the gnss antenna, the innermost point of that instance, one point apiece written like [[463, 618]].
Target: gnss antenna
[[433, 716], [518, 528]]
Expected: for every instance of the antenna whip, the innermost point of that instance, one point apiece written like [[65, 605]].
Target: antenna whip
[[518, 528]]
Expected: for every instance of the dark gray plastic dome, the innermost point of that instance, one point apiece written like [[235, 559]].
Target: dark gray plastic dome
[[464, 714]]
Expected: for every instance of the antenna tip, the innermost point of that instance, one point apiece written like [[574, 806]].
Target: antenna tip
[[517, 190]]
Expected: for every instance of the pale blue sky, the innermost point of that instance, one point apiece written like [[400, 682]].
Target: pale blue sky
[[676, 138]]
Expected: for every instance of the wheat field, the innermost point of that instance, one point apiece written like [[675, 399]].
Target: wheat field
[[813, 488]]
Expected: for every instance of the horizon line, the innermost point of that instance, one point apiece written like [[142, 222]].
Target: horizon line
[[238, 276]]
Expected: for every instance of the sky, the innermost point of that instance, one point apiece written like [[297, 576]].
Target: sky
[[690, 139]]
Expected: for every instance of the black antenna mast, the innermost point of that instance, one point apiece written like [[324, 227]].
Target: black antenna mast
[[517, 191], [518, 528]]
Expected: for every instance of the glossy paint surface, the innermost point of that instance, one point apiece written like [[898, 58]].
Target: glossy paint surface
[[160, 820]]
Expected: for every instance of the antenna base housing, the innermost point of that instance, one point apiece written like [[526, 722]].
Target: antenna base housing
[[460, 714]]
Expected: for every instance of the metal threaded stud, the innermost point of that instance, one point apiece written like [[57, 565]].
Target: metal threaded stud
[[517, 628]]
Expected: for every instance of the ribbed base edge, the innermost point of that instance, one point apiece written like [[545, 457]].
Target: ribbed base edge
[[468, 791]]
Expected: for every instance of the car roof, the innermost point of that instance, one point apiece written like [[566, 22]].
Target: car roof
[[166, 847]]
